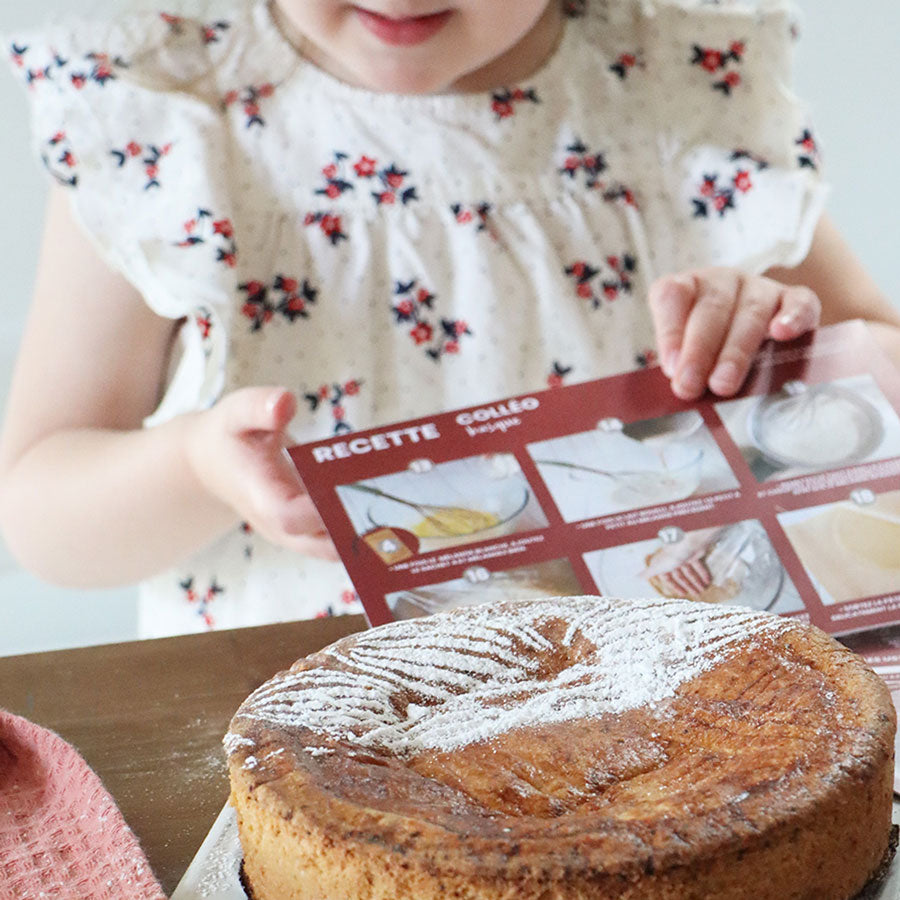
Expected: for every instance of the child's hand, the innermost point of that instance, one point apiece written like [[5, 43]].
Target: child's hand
[[237, 450], [710, 323]]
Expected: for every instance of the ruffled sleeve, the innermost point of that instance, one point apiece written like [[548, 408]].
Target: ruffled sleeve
[[125, 116], [739, 161]]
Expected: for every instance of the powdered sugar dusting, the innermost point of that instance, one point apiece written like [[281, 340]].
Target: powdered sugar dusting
[[457, 678]]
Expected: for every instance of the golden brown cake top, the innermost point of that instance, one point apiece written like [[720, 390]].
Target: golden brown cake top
[[588, 732], [449, 680]]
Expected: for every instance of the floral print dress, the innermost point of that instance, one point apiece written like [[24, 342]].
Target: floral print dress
[[388, 256]]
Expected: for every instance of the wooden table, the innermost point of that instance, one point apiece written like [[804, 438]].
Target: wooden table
[[149, 716]]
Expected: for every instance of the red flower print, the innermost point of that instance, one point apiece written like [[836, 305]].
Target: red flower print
[[411, 305], [339, 179], [223, 227], [60, 161], [210, 33], [203, 601], [287, 284], [150, 156], [809, 158], [503, 103], [294, 304], [479, 215], [204, 324], [625, 63], [742, 181], [557, 374], [712, 60], [645, 358], [249, 98], [364, 167], [580, 158], [719, 191], [331, 225], [334, 395], [621, 268]]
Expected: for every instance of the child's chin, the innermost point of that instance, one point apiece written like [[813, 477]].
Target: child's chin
[[388, 81]]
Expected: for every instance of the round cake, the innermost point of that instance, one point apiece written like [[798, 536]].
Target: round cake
[[578, 747]]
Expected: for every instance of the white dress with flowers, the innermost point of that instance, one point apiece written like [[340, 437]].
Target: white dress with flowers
[[387, 256]]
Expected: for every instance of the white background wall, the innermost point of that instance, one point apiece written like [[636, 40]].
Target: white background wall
[[847, 69]]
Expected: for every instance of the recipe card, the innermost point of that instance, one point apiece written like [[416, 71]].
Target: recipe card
[[784, 498]]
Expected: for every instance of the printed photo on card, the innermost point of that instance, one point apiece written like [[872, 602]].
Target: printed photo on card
[[617, 467], [433, 506], [733, 564], [805, 428]]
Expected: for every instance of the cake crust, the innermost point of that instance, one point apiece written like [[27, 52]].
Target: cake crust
[[761, 770]]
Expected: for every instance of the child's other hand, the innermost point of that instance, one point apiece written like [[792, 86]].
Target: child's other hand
[[710, 322], [237, 451]]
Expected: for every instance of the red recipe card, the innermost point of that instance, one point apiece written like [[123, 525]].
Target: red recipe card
[[785, 498]]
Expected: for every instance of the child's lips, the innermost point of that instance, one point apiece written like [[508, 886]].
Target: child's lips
[[405, 31]]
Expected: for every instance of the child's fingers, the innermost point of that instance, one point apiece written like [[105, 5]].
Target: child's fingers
[[318, 546], [705, 332], [749, 326], [671, 300], [295, 525], [257, 409], [799, 311]]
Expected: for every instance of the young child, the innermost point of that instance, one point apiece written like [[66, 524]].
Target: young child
[[313, 217]]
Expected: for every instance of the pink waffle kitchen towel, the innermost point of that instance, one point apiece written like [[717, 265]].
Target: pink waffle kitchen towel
[[61, 834]]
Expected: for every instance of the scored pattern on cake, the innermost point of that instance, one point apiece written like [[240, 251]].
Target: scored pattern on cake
[[466, 677]]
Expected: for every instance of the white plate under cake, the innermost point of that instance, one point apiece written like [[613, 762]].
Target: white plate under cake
[[577, 747]]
